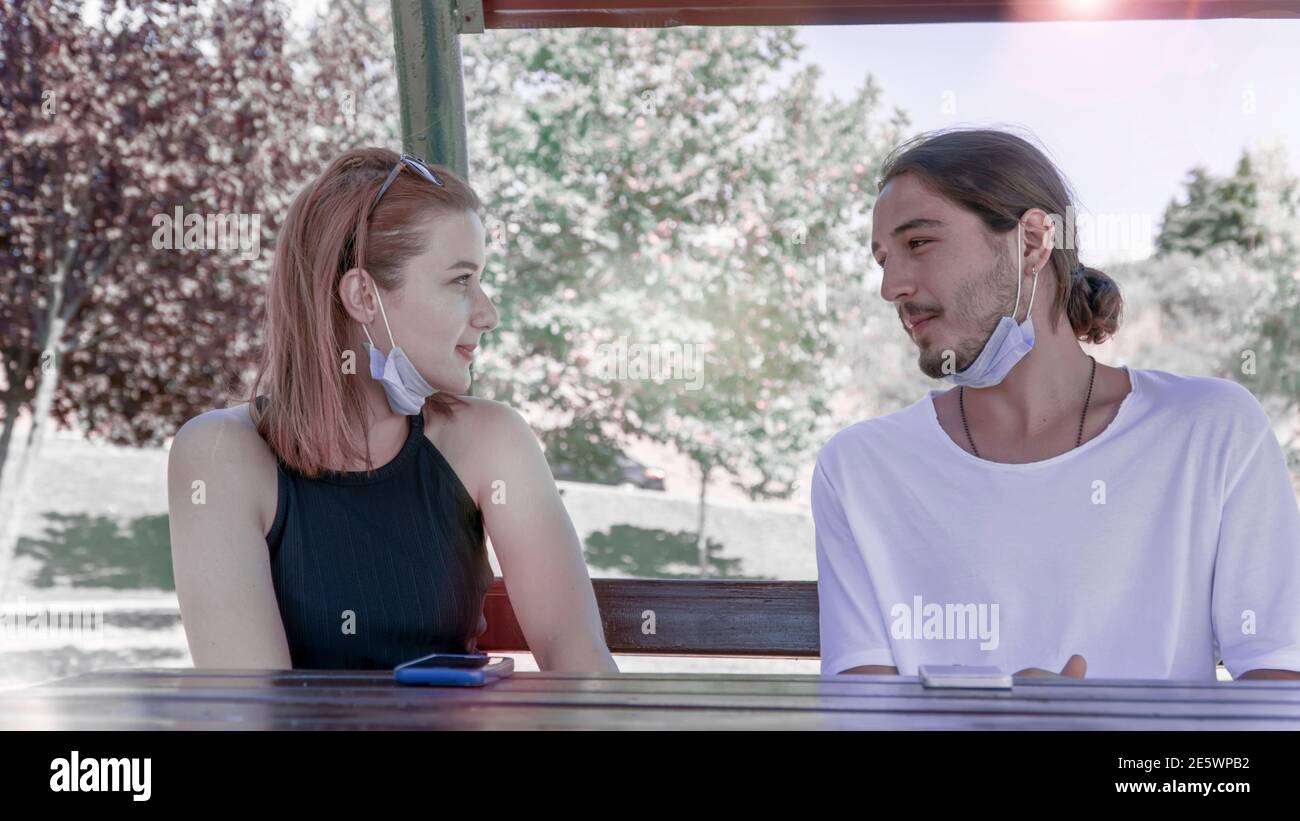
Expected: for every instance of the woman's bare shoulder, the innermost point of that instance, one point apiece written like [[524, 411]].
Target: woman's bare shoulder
[[481, 423], [476, 434], [222, 428], [223, 448]]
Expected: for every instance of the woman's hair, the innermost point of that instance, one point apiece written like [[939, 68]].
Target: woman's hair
[[999, 176], [316, 416]]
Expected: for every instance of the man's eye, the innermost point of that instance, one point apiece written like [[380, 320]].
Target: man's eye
[[909, 242]]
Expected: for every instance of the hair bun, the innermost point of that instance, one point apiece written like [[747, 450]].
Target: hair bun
[[1094, 305]]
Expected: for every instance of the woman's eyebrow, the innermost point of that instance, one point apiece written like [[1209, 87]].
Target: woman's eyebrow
[[466, 264]]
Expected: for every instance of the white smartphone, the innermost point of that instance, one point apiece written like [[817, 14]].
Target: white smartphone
[[960, 675]]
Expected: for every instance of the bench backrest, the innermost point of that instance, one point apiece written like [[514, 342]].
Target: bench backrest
[[702, 617]]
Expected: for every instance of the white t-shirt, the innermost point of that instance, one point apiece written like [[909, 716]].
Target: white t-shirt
[[1167, 542]]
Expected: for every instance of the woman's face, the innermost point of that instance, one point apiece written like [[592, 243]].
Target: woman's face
[[440, 312]]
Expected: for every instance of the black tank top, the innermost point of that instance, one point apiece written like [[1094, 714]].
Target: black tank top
[[372, 569]]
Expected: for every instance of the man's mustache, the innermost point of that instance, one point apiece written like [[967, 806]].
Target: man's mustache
[[910, 311]]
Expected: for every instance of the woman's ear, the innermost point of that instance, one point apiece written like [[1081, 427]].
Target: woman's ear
[[357, 293]]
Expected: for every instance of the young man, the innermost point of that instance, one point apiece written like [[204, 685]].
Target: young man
[[1047, 511]]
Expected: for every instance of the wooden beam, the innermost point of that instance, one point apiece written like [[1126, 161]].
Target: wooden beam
[[534, 14]]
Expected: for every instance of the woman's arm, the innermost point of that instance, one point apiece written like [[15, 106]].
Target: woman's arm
[[540, 555], [217, 486]]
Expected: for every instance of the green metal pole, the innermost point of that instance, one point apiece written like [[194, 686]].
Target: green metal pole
[[430, 83]]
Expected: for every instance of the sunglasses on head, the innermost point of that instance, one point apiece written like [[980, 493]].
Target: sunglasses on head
[[404, 160], [412, 162]]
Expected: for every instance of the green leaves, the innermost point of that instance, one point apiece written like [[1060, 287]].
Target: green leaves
[[693, 192], [1228, 278]]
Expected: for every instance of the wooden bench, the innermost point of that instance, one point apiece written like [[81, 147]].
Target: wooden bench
[[697, 617]]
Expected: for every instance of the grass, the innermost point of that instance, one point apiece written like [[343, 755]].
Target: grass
[[95, 531]]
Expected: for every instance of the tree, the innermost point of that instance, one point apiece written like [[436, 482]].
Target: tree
[[157, 115], [1228, 272], [667, 189], [1217, 211]]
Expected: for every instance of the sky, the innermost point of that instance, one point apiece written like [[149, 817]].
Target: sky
[[1125, 109]]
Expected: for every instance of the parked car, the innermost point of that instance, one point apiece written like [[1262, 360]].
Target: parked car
[[626, 472]]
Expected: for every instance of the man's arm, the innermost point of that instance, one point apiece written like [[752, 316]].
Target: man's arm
[[852, 630], [1255, 598]]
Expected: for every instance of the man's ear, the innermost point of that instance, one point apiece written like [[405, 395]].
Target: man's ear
[[357, 293], [1040, 239]]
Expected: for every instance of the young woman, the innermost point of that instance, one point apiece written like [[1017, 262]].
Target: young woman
[[337, 519]]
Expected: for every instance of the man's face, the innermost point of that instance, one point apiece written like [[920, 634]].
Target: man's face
[[947, 276]]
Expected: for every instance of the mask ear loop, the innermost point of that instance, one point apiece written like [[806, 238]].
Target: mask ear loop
[[391, 341], [1020, 280], [1020, 277], [1032, 290]]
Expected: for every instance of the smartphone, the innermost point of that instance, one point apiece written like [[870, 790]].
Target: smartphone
[[960, 675], [454, 670]]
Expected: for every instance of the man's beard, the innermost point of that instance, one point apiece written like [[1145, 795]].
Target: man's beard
[[934, 362]]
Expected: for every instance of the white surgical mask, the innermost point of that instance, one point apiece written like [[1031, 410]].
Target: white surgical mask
[[1008, 343], [405, 388]]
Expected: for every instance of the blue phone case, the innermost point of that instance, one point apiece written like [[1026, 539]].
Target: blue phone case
[[453, 676]]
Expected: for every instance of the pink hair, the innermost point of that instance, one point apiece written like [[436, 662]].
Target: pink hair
[[315, 419]]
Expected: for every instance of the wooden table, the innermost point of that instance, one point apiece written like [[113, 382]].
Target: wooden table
[[220, 699]]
